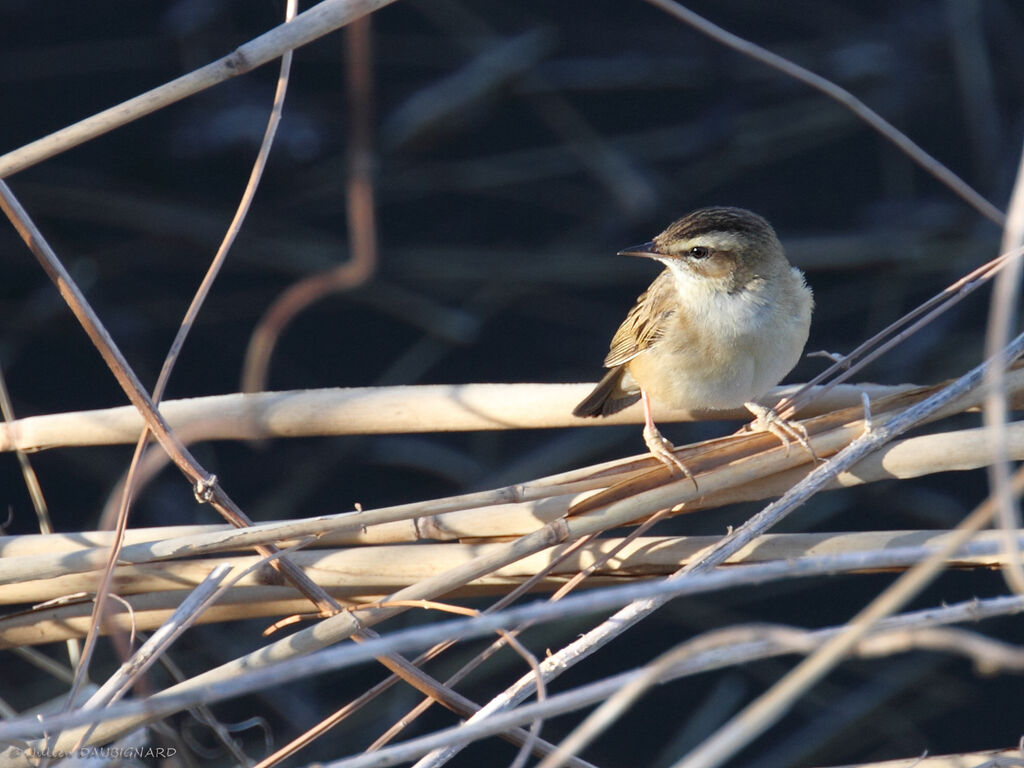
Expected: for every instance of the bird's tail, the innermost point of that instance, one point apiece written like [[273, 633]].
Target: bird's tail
[[608, 397]]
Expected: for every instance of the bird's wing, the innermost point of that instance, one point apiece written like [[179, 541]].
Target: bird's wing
[[645, 323]]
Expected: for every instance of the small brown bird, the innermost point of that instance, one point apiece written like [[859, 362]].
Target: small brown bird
[[725, 321]]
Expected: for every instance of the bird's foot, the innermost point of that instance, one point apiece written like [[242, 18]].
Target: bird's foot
[[662, 450], [767, 420]]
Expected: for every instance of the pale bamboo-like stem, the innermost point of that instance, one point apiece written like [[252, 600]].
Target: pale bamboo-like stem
[[796, 552], [45, 566], [363, 574], [333, 658], [370, 410], [759, 476], [620, 512], [958, 450], [996, 411]]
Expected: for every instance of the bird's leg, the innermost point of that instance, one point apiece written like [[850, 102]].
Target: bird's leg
[[767, 420], [659, 447]]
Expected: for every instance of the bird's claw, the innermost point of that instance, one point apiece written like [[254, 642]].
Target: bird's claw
[[662, 450], [767, 420]]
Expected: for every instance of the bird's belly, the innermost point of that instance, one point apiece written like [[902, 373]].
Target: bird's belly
[[713, 377], [680, 381]]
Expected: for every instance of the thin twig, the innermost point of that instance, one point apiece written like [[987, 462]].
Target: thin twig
[[130, 484], [558, 557], [118, 683], [767, 708], [321, 19], [844, 97], [349, 654], [335, 718], [897, 332], [713, 651], [987, 654], [204, 483]]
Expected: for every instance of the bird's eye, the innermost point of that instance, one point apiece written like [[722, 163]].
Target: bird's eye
[[699, 252]]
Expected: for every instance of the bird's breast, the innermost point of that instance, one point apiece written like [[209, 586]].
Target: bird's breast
[[719, 350]]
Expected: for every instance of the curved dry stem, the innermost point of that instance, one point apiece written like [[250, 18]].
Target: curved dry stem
[[359, 210], [987, 654]]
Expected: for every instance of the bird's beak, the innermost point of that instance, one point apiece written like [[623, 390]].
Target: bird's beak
[[648, 250]]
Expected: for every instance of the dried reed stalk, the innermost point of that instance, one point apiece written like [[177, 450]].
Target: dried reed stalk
[[368, 410]]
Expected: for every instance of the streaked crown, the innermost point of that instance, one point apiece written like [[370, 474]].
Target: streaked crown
[[721, 228]]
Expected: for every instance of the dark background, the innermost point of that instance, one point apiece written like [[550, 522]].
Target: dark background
[[589, 127]]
